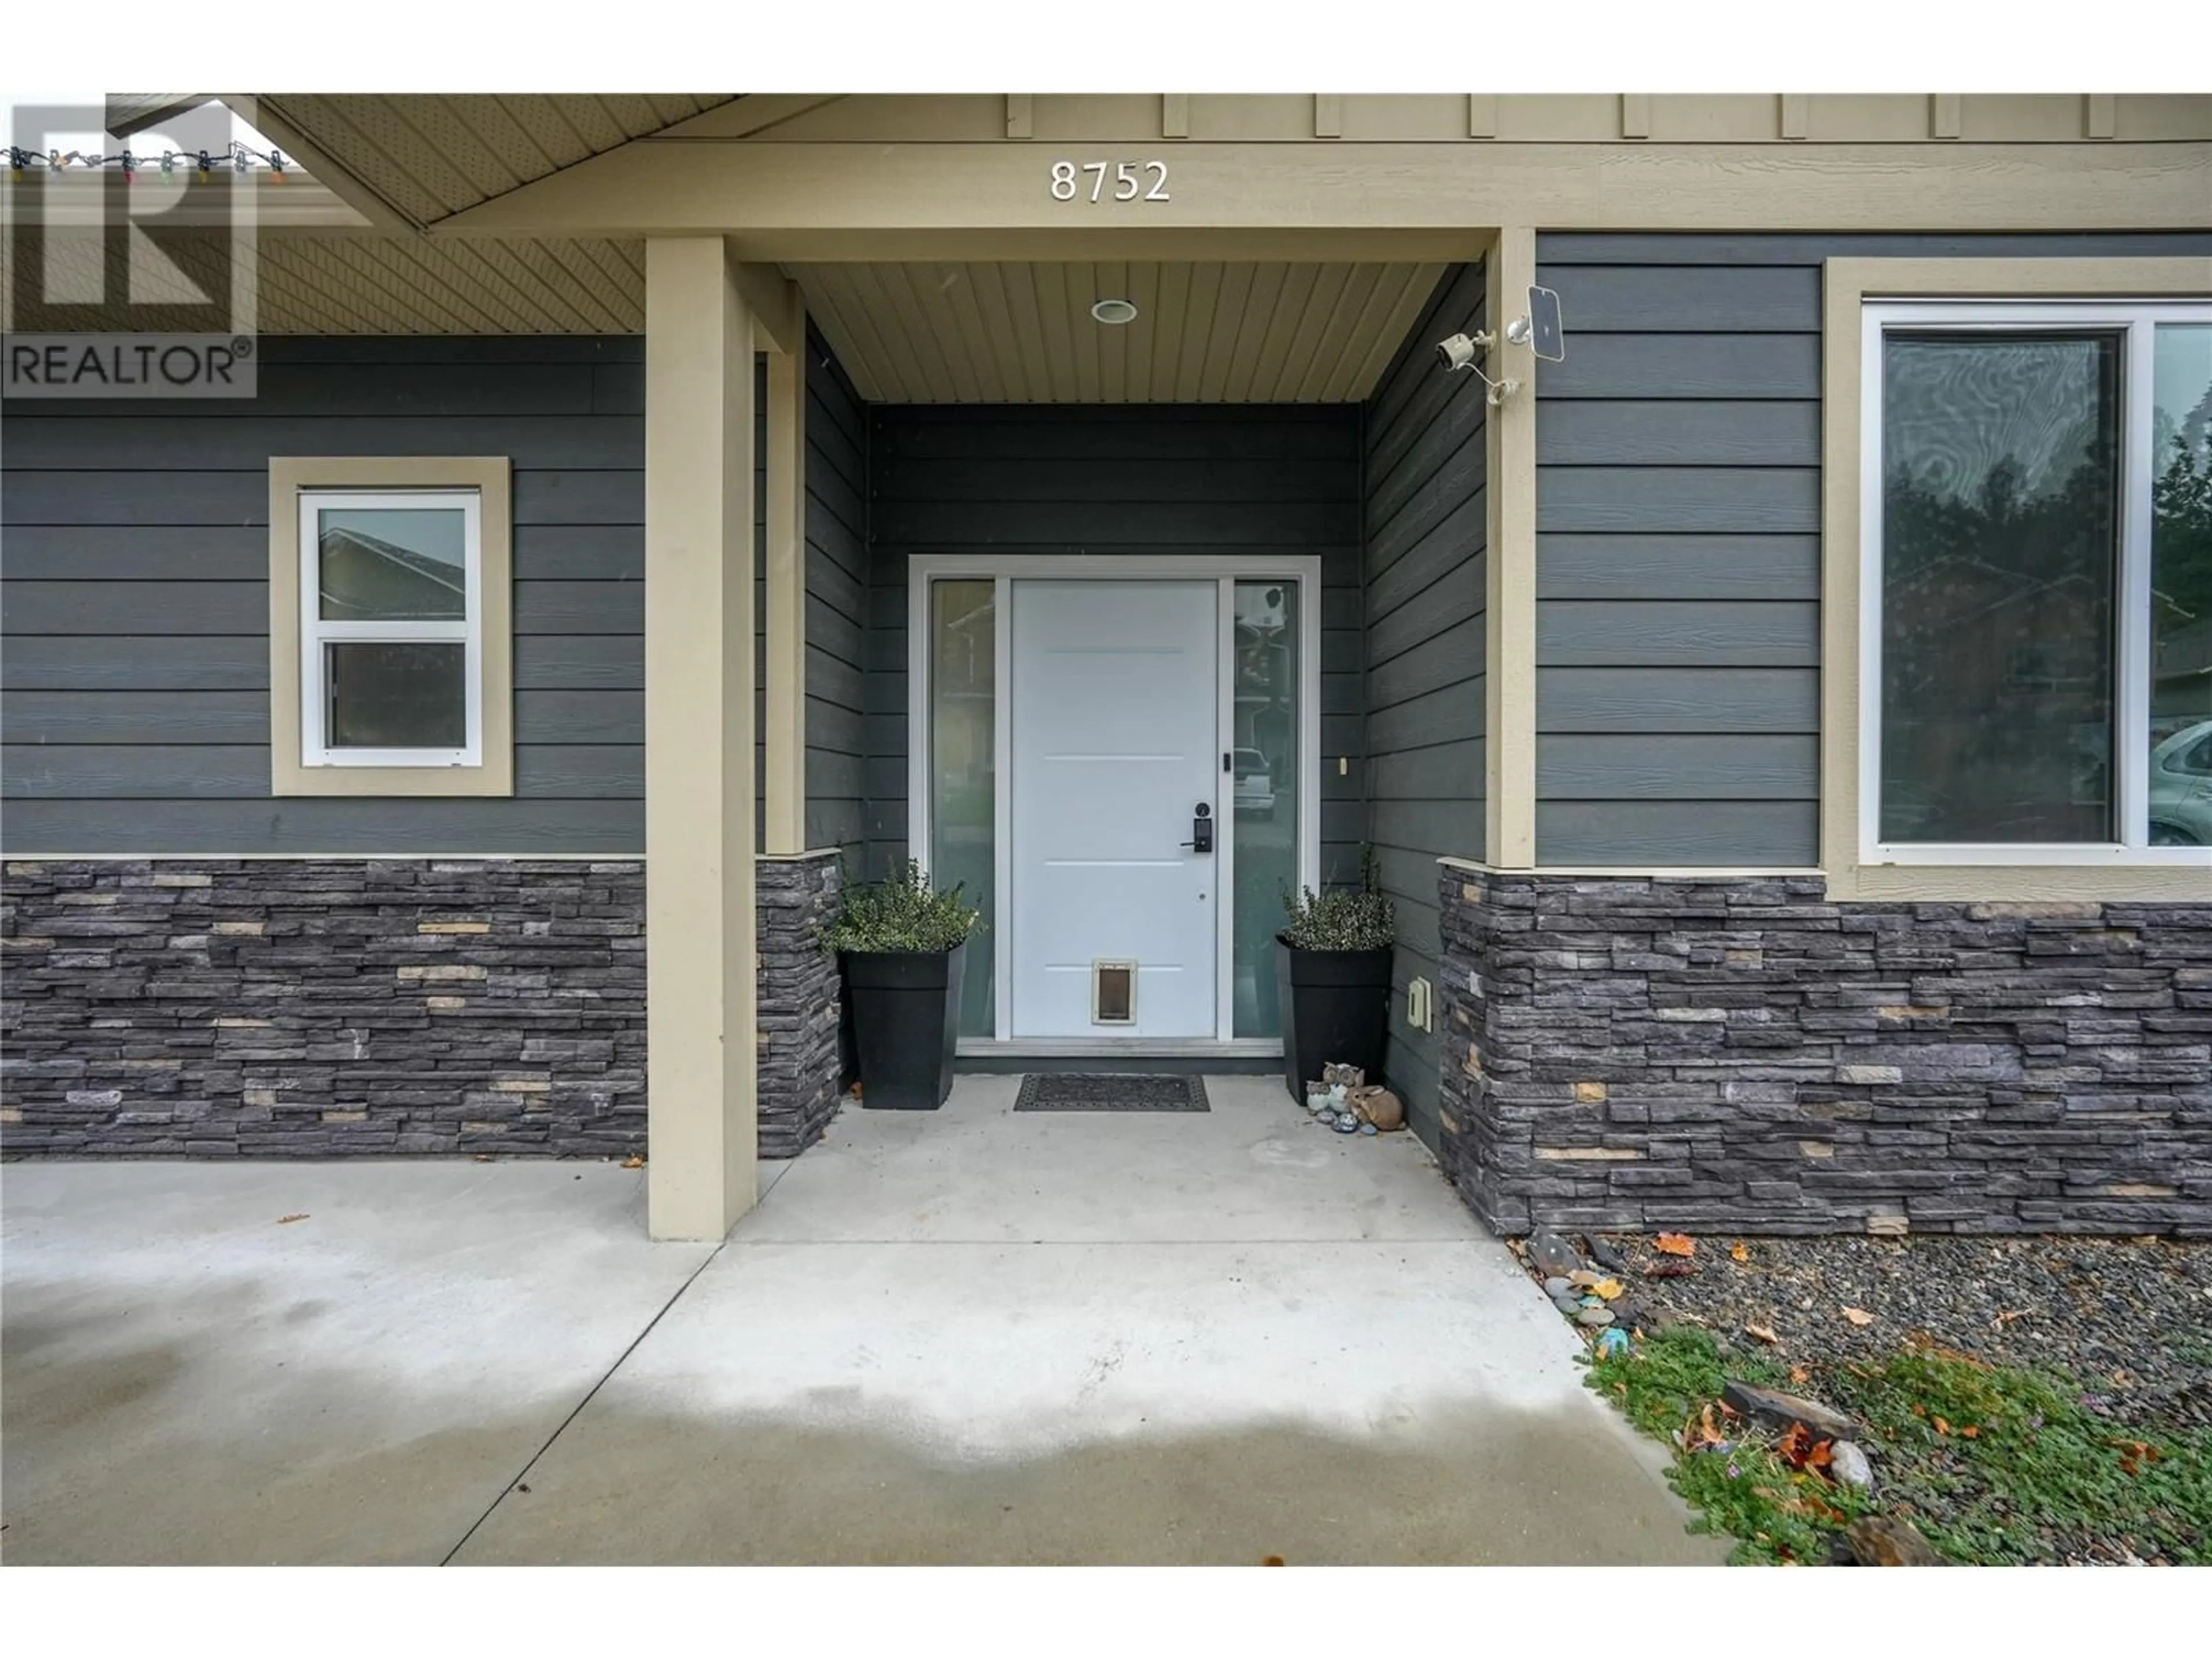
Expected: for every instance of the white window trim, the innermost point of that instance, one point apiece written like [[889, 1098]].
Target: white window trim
[[2132, 321], [315, 633], [300, 764], [1302, 570]]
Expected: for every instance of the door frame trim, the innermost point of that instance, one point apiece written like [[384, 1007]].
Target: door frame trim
[[1303, 570]]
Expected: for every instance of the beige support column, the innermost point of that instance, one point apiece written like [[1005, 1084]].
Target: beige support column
[[784, 820], [701, 1170], [1509, 494]]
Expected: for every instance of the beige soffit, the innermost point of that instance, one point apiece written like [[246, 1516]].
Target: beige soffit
[[424, 155], [355, 282], [1208, 331]]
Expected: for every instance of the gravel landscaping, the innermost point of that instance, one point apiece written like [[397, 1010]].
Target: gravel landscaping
[[2026, 1400], [2130, 1319]]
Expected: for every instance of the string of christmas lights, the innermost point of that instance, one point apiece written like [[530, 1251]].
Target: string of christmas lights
[[237, 157]]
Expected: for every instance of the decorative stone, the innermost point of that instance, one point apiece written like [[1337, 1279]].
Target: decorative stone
[[1773, 1409], [1556, 1287], [1886, 1540], [1849, 1466], [1595, 1317], [1553, 1254]]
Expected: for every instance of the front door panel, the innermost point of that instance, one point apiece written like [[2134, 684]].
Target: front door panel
[[1114, 742]]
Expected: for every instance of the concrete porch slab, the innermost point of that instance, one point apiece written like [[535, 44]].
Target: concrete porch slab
[[967, 1336], [1253, 1169], [1216, 1338], [183, 1380]]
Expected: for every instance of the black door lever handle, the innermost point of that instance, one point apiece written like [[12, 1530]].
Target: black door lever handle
[[1201, 830]]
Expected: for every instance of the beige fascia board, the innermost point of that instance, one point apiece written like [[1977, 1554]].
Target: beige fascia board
[[490, 476], [1509, 679], [746, 114], [1847, 284], [775, 197], [772, 297], [1635, 872]]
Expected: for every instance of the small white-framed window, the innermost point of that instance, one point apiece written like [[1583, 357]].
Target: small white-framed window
[[391, 627], [390, 656], [2036, 581]]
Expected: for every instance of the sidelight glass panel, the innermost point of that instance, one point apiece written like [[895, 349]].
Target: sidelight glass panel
[[1999, 556], [2181, 585], [1264, 792], [392, 565], [964, 793]]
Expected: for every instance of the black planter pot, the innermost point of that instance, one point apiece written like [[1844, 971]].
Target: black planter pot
[[905, 1008], [1336, 1009]]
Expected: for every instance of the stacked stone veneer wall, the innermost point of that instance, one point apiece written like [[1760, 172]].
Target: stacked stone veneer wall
[[802, 1071], [1743, 1054], [330, 1007]]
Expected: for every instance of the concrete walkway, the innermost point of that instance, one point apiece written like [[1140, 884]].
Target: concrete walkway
[[967, 1336]]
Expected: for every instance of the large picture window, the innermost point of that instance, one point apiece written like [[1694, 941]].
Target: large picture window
[[391, 668], [2037, 581]]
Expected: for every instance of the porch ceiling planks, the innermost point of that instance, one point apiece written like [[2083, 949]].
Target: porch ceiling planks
[[1207, 332]]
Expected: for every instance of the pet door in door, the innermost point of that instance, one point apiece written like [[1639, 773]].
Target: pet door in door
[[1113, 993]]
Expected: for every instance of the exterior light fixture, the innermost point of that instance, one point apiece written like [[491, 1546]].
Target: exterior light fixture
[[1113, 313]]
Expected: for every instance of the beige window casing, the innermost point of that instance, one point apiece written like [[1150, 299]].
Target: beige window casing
[[1849, 285], [487, 474]]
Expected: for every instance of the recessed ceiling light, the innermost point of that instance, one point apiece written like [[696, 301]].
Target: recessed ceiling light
[[1113, 313]]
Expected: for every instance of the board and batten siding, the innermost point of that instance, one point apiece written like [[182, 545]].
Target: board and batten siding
[[1424, 581], [1159, 478], [1678, 551]]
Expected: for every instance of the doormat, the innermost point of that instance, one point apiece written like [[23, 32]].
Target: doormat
[[1105, 1092]]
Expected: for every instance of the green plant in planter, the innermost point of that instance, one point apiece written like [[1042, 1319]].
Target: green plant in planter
[[1359, 918], [901, 912]]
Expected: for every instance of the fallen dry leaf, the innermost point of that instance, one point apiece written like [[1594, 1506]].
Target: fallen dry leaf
[[1674, 1244], [481, 1158], [1271, 1560], [1669, 1269], [1610, 1289], [286, 1220], [1942, 1427], [1970, 1430], [632, 1162], [1739, 1251], [1799, 1376], [1761, 1332], [1858, 1316], [2005, 1315]]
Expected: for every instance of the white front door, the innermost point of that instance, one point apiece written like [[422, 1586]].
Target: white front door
[[1115, 743]]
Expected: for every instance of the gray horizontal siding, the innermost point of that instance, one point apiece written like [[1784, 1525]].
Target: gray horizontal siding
[[1424, 530], [836, 591], [1135, 479], [1678, 539], [134, 601]]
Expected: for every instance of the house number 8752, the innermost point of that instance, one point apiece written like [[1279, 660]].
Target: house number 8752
[[1128, 180]]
